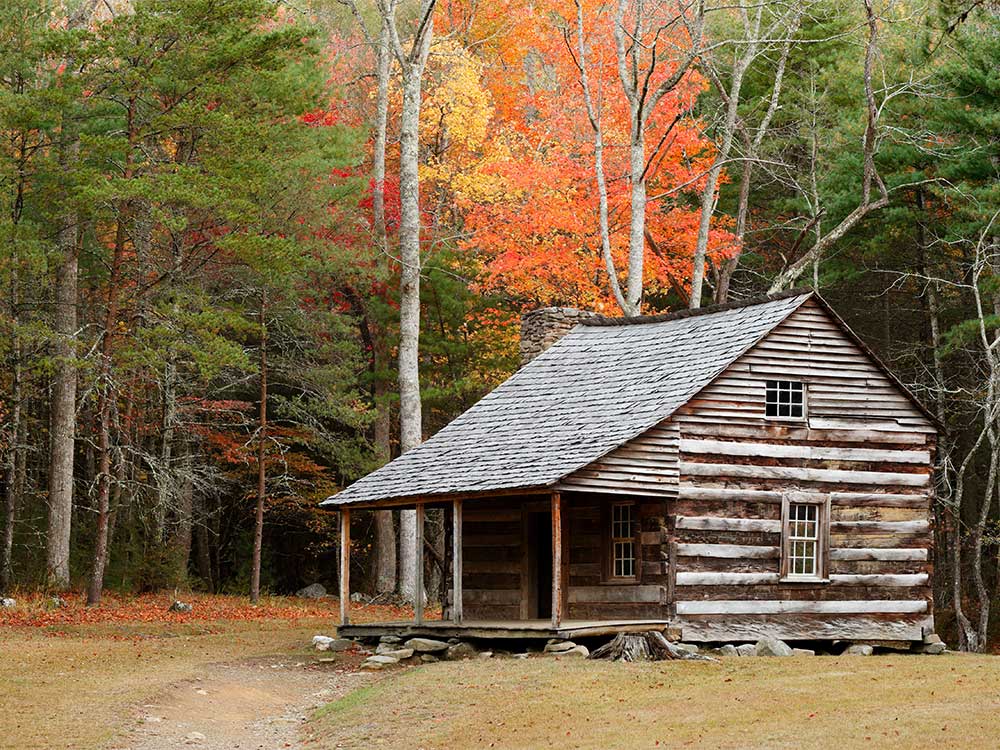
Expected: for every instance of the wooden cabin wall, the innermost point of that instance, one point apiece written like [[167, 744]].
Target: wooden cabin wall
[[589, 595], [864, 444], [492, 559], [647, 465]]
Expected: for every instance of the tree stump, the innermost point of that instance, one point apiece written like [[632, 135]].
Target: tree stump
[[648, 646]]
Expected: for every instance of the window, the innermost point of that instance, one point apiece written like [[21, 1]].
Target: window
[[785, 399], [623, 540], [804, 540]]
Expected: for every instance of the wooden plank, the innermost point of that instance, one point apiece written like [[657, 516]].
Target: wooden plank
[[735, 551], [730, 448], [345, 565], [695, 425], [418, 579], [688, 491], [912, 553], [725, 579], [800, 627], [456, 551], [781, 606], [557, 598], [879, 527], [880, 579], [804, 474], [712, 523], [881, 500], [627, 594]]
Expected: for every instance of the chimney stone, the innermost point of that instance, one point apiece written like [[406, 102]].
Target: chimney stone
[[543, 327]]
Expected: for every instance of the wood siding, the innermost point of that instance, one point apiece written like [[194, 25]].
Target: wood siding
[[647, 465], [864, 447], [591, 595]]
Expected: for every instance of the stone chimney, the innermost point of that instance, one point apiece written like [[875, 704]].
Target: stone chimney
[[543, 327]]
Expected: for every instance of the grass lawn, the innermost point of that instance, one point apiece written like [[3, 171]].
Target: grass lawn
[[844, 702]]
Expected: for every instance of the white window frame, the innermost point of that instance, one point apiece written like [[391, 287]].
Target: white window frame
[[778, 390], [615, 539], [821, 539]]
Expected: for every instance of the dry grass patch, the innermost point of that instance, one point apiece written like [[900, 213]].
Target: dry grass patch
[[78, 688], [887, 701]]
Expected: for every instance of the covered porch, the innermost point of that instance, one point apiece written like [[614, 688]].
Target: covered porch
[[532, 565]]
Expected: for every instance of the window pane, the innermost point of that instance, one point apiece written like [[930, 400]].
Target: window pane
[[623, 528], [803, 537]]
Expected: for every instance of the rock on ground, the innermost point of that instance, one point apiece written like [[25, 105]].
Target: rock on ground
[[772, 647], [461, 651], [426, 645], [312, 591], [727, 649], [803, 652], [395, 653], [689, 648], [859, 649], [746, 649], [379, 661], [559, 647], [933, 648]]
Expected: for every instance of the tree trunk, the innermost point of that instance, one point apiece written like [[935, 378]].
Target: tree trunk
[[410, 434], [708, 192], [203, 558], [385, 528], [12, 475], [63, 413], [106, 401], [258, 531], [637, 220]]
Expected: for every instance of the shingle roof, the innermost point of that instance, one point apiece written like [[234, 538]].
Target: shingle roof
[[593, 390]]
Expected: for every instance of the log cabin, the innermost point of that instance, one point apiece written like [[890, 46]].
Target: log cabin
[[723, 474]]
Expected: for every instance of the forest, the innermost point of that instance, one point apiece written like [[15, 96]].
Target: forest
[[253, 249]]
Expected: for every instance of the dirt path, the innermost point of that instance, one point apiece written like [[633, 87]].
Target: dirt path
[[261, 703]]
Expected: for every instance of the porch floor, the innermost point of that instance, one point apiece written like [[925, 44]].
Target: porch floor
[[513, 629]]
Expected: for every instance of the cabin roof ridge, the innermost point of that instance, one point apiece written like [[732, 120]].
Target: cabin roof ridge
[[598, 319]]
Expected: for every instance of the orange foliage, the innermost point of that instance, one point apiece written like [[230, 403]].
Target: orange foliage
[[32, 610], [529, 200]]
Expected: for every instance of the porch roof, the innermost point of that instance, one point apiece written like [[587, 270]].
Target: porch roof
[[602, 384]]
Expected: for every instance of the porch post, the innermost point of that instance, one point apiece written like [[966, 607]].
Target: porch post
[[418, 581], [456, 561], [556, 560], [345, 565]]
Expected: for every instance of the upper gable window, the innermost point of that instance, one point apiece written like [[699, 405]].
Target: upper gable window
[[785, 399]]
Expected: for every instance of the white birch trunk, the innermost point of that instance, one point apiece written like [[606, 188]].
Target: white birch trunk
[[410, 433]]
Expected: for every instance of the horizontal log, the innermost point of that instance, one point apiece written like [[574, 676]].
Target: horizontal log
[[879, 527], [688, 491], [491, 596], [803, 474], [880, 579], [735, 551], [725, 579], [623, 594], [752, 579], [912, 553], [692, 425], [894, 426], [701, 628], [880, 500], [712, 523], [777, 607], [771, 450]]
